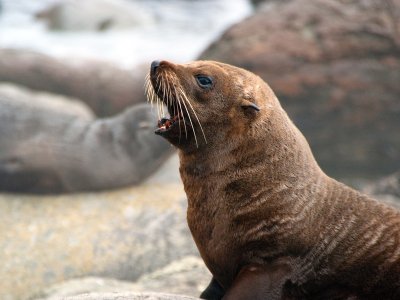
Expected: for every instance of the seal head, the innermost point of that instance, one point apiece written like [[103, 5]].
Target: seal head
[[197, 94]]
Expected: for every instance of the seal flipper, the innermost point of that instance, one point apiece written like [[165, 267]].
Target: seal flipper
[[214, 291], [259, 282], [332, 291]]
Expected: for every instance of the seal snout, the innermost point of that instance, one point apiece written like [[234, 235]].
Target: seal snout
[[154, 65], [157, 64], [163, 92]]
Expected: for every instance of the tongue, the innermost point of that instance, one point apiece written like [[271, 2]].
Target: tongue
[[168, 124]]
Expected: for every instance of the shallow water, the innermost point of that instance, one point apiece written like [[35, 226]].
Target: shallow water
[[180, 31]]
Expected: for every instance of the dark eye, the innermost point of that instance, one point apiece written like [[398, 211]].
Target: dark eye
[[204, 81]]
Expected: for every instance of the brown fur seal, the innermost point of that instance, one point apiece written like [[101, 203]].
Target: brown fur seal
[[45, 147], [267, 221]]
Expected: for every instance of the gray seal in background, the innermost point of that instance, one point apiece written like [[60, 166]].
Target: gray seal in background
[[51, 150]]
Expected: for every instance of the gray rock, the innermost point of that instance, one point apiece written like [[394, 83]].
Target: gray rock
[[130, 296], [84, 285], [94, 15], [389, 185], [105, 88], [187, 276], [386, 189], [121, 234]]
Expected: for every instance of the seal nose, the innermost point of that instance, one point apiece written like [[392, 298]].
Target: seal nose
[[154, 65]]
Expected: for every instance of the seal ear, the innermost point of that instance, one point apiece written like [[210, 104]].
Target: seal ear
[[249, 106]]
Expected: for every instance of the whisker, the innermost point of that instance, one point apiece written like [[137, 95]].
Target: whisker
[[146, 85], [180, 107], [174, 97], [190, 119], [179, 123], [169, 99], [201, 127], [175, 107], [163, 84], [155, 98], [149, 90], [158, 98]]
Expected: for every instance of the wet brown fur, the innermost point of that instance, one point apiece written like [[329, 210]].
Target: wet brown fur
[[258, 201]]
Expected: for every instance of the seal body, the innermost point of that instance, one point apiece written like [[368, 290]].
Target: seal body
[[268, 222], [47, 149]]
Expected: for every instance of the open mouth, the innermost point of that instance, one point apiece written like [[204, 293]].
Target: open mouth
[[168, 124], [163, 88], [164, 93]]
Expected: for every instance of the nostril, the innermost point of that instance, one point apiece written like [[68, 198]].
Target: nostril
[[154, 65]]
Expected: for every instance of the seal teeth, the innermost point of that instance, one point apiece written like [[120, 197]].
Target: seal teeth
[[165, 123]]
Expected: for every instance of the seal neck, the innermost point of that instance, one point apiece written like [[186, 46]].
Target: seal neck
[[253, 180], [274, 143]]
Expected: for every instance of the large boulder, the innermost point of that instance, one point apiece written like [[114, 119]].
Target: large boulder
[[104, 87], [335, 66], [122, 234]]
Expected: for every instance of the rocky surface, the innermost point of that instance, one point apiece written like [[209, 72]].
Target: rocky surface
[[335, 65], [130, 296], [122, 234], [93, 15], [387, 186], [187, 276], [104, 87]]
